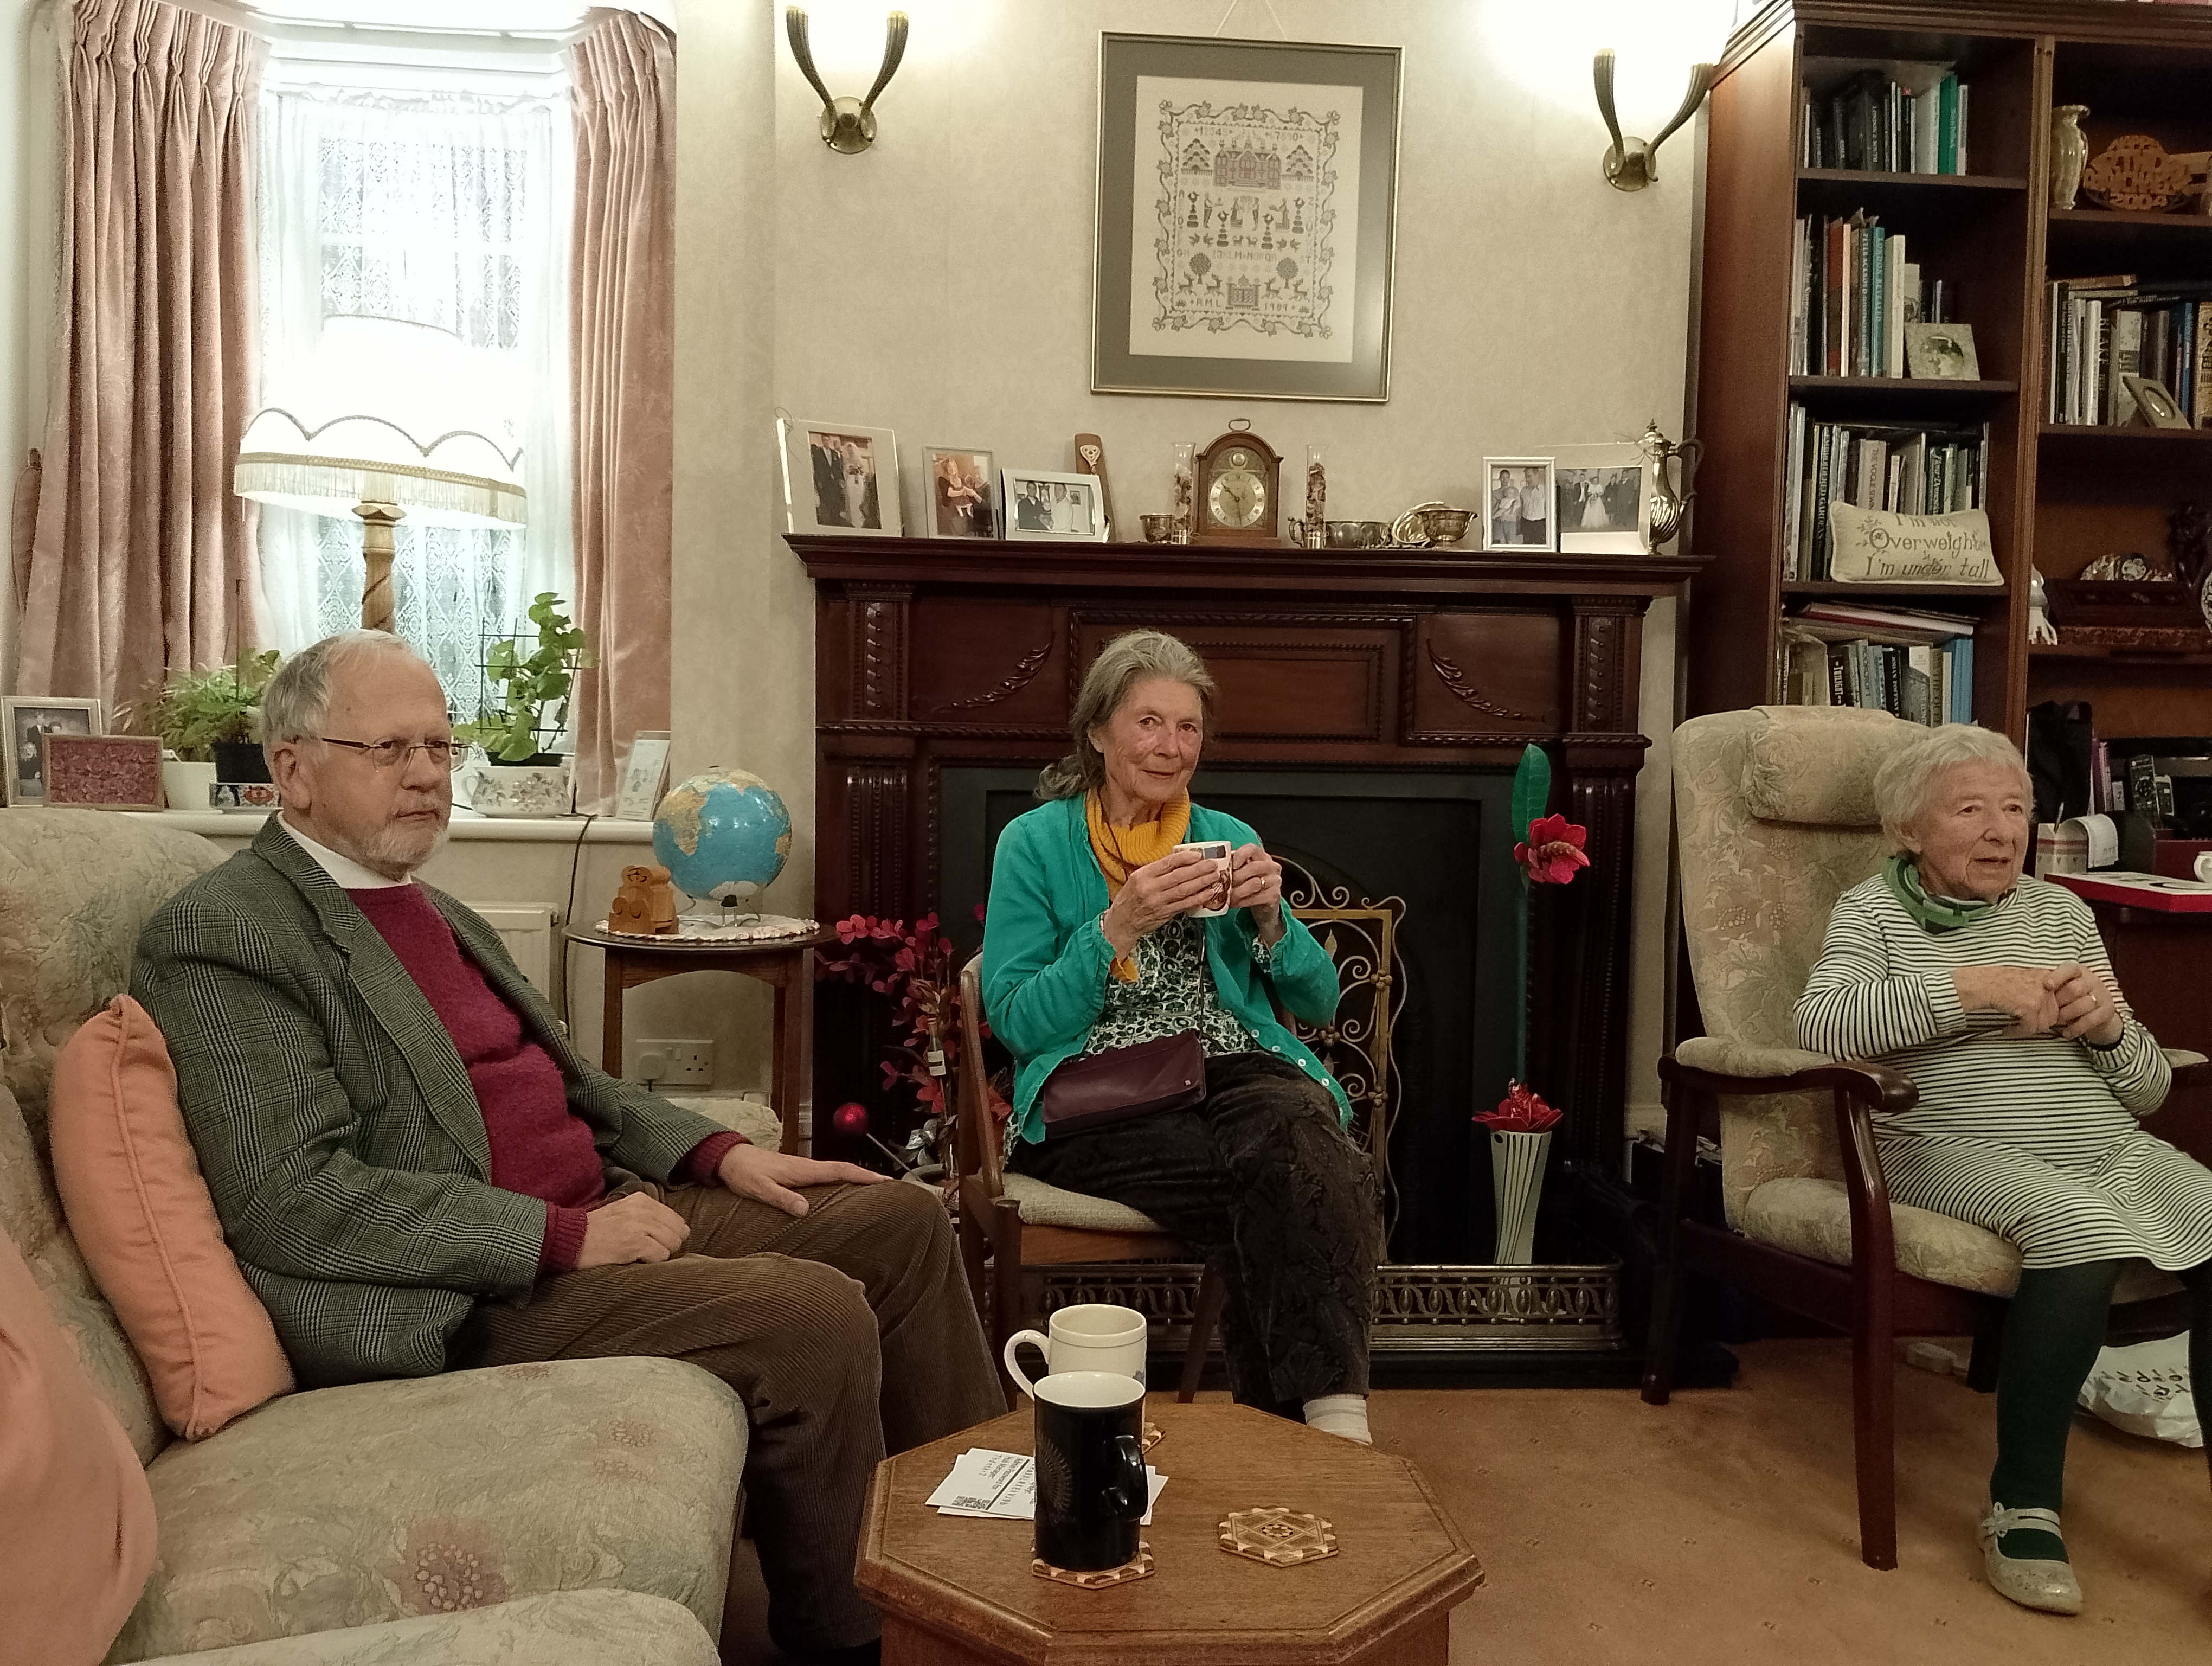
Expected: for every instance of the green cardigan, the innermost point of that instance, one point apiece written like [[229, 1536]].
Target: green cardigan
[[1046, 959]]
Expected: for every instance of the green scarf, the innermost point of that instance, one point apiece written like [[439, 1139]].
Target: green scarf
[[1936, 914]]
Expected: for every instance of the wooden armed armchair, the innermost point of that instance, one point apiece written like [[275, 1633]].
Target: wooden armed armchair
[[1019, 1221], [1775, 819]]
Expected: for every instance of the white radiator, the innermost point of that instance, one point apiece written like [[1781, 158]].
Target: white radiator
[[527, 931]]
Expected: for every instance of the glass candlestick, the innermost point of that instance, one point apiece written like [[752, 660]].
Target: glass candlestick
[[1186, 456]]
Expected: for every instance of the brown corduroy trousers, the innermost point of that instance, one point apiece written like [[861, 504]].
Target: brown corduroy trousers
[[847, 1331]]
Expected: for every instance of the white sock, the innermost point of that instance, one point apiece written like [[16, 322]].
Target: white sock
[[1342, 1414]]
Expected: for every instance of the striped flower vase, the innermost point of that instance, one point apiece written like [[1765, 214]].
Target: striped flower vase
[[1516, 1183]]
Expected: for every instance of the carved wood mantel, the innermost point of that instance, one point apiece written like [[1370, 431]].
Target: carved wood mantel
[[931, 651]]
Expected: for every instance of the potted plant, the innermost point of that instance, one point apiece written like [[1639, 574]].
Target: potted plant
[[210, 721], [527, 689]]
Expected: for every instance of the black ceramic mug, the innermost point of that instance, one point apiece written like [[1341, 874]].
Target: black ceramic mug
[[1090, 1491]]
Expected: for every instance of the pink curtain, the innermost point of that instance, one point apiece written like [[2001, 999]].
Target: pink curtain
[[141, 557], [622, 337]]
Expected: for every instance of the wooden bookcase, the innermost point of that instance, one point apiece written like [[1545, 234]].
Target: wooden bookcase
[[2058, 499]]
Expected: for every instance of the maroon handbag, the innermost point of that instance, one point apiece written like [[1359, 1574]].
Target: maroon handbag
[[1124, 1083]]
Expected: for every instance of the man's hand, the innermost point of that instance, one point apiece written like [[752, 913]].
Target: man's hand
[[1155, 893], [767, 1177], [1255, 882], [2025, 992], [2088, 1005], [639, 1227]]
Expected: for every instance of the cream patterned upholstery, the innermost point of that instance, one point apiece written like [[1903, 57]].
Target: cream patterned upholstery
[[1775, 817], [578, 1511]]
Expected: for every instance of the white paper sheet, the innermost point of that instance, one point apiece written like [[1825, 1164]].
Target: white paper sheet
[[1002, 1487]]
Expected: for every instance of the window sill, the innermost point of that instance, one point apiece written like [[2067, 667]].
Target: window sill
[[468, 828]]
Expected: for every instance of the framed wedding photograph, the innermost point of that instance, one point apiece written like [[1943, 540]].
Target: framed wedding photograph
[[1517, 504], [1246, 205], [103, 771], [26, 720], [839, 478], [1065, 507], [1941, 352], [962, 499], [1604, 499]]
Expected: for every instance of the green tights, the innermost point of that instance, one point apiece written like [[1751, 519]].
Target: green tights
[[2052, 1332]]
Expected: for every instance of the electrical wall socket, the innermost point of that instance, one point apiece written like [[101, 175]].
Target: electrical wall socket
[[672, 1063]]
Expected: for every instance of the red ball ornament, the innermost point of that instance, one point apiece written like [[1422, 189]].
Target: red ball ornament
[[851, 1118]]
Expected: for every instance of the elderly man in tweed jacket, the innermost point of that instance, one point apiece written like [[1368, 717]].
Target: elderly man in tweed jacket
[[416, 1171]]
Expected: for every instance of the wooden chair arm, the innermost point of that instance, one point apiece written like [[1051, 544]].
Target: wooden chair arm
[[1876, 1086]]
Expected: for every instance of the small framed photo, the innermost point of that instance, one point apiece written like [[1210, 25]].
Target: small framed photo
[[962, 493], [1604, 501], [2155, 401], [103, 771], [1055, 505], [839, 478], [26, 720], [644, 775], [1517, 499], [1941, 352]]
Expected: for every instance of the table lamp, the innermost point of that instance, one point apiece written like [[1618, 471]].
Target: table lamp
[[385, 419]]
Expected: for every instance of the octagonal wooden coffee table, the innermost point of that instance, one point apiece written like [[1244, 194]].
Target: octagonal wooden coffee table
[[954, 1589]]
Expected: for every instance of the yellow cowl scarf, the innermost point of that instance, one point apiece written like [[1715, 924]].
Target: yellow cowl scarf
[[1121, 850]]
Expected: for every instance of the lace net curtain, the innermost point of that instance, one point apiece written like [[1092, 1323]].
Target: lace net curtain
[[443, 208]]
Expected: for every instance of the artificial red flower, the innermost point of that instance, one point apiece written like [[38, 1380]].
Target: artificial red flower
[[1522, 1110], [1554, 850]]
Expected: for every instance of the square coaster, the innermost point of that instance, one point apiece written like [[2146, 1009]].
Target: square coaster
[[1277, 1536], [1097, 1579]]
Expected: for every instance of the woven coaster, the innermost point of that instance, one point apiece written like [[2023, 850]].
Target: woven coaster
[[1100, 1578], [1152, 1435], [1277, 1536]]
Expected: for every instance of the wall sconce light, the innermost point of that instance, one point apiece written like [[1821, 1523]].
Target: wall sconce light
[[1633, 163], [848, 125]]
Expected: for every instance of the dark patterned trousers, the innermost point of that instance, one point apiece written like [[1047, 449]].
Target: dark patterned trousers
[[847, 1331], [1262, 1182]]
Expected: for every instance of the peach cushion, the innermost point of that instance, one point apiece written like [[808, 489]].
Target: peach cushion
[[143, 1217], [76, 1516]]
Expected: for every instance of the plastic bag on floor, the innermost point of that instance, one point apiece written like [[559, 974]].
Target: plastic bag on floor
[[2145, 1390]]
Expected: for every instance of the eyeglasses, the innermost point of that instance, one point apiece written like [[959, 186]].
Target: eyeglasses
[[384, 754]]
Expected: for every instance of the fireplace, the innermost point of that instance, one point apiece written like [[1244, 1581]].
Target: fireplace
[[1393, 684]]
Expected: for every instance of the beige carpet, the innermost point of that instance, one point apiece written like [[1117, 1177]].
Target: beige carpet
[[1722, 1528]]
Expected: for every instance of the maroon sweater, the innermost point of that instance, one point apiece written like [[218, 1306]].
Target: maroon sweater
[[539, 1148]]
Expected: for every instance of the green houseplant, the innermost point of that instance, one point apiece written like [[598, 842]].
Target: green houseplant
[[198, 710], [517, 728]]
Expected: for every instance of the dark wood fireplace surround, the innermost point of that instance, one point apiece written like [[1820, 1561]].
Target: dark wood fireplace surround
[[938, 651]]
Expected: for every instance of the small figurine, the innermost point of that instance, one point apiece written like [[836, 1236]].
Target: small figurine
[[2040, 628], [646, 904]]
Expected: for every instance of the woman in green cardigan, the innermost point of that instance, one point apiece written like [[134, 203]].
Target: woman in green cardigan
[[1090, 944]]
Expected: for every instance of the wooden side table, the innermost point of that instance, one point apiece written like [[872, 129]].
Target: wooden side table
[[787, 963], [956, 1590]]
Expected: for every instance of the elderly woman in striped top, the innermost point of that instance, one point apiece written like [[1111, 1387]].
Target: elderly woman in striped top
[[1992, 992]]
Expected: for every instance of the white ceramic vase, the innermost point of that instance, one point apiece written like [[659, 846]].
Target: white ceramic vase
[[1516, 1184], [2070, 152], [185, 785], [513, 789]]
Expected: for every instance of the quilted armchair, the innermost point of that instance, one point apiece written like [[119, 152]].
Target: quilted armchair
[[581, 1510], [1775, 819]]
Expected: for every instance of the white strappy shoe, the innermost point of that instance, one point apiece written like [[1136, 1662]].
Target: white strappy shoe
[[2032, 1582]]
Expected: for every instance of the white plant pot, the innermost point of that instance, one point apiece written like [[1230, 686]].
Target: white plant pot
[[513, 789], [185, 786], [1516, 1183]]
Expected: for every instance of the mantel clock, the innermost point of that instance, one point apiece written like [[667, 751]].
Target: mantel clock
[[1239, 489]]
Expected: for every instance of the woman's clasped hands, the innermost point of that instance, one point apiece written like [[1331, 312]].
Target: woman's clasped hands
[[1183, 880], [2072, 1001]]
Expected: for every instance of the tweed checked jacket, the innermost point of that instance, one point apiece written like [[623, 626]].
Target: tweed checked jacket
[[336, 1125]]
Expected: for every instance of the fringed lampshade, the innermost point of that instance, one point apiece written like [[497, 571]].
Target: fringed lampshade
[[387, 420]]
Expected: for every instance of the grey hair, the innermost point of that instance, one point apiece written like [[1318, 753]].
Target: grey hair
[[298, 697], [1136, 656], [1907, 777]]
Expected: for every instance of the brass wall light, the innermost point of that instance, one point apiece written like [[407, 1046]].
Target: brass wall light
[[1633, 163], [848, 125]]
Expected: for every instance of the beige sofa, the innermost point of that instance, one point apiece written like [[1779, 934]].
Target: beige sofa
[[580, 1511]]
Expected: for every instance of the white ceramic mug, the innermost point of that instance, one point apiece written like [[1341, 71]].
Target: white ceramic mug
[[1216, 851], [1091, 1336], [2204, 857]]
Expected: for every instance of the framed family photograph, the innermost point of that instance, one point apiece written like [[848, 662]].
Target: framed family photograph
[[839, 478], [1604, 498], [27, 720], [962, 499], [1517, 499], [1246, 208], [1066, 507], [104, 771]]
